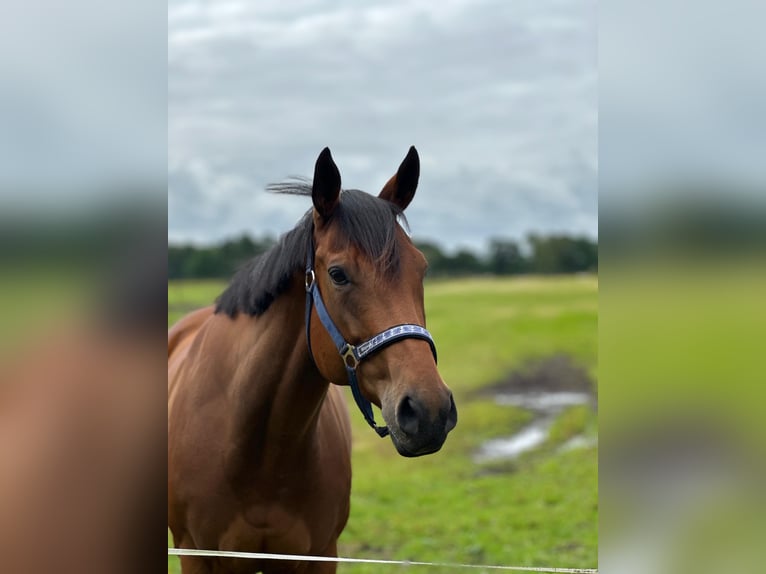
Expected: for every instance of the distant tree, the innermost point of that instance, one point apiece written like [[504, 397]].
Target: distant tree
[[239, 250], [549, 254], [205, 264], [177, 258], [435, 257], [235, 252], [563, 254], [505, 258], [464, 262]]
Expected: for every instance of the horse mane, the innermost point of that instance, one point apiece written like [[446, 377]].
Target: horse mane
[[365, 221]]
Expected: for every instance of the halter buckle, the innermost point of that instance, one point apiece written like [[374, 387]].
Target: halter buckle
[[349, 357], [310, 279]]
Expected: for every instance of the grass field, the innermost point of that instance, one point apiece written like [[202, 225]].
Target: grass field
[[538, 510]]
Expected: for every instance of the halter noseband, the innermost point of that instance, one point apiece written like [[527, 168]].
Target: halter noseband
[[352, 355]]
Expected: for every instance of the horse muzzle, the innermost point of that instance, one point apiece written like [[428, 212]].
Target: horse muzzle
[[417, 428]]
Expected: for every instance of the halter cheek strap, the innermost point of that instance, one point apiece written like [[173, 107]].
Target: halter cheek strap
[[350, 354]]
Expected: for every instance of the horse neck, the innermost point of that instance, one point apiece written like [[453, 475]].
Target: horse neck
[[277, 392]]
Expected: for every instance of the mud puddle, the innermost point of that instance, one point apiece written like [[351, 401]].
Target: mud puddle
[[545, 388]]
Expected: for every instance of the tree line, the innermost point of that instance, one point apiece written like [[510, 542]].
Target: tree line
[[540, 254]]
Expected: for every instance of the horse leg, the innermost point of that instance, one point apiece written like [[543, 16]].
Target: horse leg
[[193, 564], [278, 567], [301, 568], [325, 567]]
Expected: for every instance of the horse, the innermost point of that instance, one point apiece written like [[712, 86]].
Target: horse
[[259, 436]]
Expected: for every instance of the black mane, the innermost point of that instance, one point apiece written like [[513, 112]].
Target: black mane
[[365, 221]]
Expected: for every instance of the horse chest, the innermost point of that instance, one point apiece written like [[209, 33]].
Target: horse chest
[[300, 525], [268, 528], [316, 498]]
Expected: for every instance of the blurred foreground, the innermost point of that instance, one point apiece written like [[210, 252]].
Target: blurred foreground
[[82, 396], [683, 453], [682, 231], [83, 155]]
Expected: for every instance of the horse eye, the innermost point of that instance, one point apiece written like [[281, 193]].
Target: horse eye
[[338, 276]]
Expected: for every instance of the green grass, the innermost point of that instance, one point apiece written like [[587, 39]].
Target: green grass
[[185, 296], [539, 510]]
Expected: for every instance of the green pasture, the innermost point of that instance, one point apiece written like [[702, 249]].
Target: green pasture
[[538, 510]]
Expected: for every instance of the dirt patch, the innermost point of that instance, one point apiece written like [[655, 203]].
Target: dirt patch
[[554, 374], [546, 388]]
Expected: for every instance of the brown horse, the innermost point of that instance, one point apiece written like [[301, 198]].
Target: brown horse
[[259, 442]]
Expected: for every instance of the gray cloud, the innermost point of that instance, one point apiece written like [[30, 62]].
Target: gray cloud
[[681, 96], [82, 101], [500, 99]]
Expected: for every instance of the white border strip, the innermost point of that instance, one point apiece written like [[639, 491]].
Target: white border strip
[[296, 557]]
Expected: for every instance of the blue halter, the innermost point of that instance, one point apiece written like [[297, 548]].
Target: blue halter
[[352, 355]]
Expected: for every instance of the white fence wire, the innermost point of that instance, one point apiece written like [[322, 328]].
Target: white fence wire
[[303, 558]]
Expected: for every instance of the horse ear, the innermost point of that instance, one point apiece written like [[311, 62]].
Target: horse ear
[[325, 189], [400, 189]]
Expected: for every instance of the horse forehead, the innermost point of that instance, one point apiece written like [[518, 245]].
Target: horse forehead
[[410, 263], [400, 287]]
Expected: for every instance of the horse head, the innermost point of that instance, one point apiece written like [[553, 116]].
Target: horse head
[[368, 277]]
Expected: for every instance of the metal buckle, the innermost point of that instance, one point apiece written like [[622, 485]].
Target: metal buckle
[[310, 279], [349, 358]]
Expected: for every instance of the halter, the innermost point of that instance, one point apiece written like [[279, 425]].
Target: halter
[[352, 355]]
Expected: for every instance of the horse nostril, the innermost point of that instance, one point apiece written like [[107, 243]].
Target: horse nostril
[[452, 416], [407, 416]]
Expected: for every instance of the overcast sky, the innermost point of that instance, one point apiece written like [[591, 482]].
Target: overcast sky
[[500, 99]]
